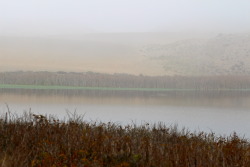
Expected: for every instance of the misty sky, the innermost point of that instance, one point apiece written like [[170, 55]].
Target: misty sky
[[49, 17]]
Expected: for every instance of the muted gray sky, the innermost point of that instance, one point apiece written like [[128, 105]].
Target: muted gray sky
[[48, 17]]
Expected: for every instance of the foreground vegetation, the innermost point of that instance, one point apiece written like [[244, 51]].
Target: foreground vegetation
[[36, 140]]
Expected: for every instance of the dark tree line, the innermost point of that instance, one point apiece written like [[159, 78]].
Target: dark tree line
[[91, 79]]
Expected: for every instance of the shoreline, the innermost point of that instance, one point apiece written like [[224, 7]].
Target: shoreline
[[58, 87]]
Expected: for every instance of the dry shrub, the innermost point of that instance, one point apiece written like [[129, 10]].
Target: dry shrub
[[38, 141]]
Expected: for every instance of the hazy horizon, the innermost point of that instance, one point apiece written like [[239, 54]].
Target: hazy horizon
[[108, 36], [197, 53]]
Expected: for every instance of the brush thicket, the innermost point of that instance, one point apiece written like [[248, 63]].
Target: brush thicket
[[36, 140]]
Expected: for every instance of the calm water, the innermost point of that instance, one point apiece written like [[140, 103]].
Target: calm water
[[220, 112]]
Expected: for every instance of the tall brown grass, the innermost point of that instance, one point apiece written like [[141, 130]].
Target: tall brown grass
[[38, 141]]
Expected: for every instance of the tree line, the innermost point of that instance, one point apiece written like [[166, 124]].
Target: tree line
[[91, 79]]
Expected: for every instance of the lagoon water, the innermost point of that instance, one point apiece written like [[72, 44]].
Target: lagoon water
[[220, 112]]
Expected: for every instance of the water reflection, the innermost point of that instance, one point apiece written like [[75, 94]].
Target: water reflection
[[221, 112], [218, 99]]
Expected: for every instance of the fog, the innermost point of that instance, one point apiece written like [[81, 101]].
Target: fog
[[173, 40], [101, 52], [57, 17], [109, 36]]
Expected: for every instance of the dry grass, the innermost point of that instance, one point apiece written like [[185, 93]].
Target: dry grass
[[35, 140]]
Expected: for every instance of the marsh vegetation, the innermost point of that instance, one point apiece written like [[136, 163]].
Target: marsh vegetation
[[37, 140]]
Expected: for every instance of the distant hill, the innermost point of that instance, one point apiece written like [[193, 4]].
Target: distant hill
[[150, 54], [224, 54], [104, 53]]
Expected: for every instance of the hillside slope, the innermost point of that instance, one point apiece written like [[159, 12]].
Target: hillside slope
[[221, 55], [132, 53]]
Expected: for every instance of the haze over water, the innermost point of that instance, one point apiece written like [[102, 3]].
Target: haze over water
[[163, 37]]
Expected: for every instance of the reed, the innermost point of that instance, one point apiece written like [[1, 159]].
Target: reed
[[38, 141]]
